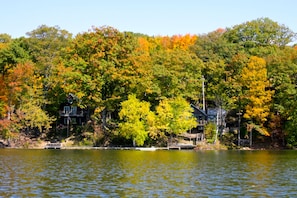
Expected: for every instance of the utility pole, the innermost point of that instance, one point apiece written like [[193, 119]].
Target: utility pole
[[203, 94], [239, 114], [217, 125]]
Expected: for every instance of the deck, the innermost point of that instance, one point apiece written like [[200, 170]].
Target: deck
[[53, 146]]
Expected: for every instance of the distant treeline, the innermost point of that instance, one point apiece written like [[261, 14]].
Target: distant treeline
[[139, 87]]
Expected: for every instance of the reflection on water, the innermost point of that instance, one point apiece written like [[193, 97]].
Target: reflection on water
[[122, 173]]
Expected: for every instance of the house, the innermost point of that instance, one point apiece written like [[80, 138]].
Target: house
[[218, 117], [70, 113], [196, 134], [214, 115], [201, 118]]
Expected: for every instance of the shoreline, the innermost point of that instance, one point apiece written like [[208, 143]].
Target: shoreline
[[202, 146], [208, 147]]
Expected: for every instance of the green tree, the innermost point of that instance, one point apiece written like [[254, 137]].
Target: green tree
[[290, 127], [217, 54], [177, 73], [47, 47], [102, 65], [210, 132], [5, 38], [173, 70], [135, 117], [260, 32], [233, 84], [11, 53], [282, 69]]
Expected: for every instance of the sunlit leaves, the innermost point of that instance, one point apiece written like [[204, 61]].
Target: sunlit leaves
[[135, 115], [174, 116], [35, 117], [171, 117], [103, 66], [258, 98], [101, 59]]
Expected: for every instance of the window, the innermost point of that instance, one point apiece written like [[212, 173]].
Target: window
[[73, 110], [66, 109]]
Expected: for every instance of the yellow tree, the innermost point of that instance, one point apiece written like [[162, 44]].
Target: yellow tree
[[257, 96], [174, 116], [135, 116]]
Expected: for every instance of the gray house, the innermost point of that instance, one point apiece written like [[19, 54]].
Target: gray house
[[214, 115], [201, 118]]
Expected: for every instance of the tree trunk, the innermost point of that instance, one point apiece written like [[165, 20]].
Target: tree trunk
[[103, 120], [251, 138], [134, 143]]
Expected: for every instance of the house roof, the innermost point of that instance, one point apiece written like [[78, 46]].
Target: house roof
[[199, 110]]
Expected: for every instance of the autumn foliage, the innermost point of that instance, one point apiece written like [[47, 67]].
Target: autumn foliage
[[131, 81]]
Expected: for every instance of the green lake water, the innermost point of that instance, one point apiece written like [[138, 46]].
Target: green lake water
[[128, 173]]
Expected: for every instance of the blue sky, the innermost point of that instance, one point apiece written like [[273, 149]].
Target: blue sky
[[152, 17]]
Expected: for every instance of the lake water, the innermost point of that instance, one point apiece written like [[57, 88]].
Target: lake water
[[128, 173]]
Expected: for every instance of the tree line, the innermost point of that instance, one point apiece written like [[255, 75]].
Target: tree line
[[139, 87]]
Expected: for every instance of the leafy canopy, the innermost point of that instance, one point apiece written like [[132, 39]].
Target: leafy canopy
[[134, 115]]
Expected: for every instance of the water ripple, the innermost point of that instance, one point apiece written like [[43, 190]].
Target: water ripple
[[95, 173]]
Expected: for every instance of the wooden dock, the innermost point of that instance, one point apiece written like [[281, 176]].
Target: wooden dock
[[169, 147], [174, 148], [180, 146], [53, 146], [146, 148]]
